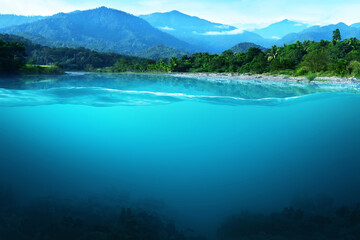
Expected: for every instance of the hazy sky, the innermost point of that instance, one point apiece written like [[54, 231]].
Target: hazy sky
[[223, 11]]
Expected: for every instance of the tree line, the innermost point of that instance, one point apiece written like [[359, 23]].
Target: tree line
[[325, 58]]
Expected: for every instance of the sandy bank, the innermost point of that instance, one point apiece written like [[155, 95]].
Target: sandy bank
[[264, 77]]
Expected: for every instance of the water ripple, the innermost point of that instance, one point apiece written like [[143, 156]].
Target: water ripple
[[103, 97]]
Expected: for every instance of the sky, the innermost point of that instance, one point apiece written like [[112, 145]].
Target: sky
[[246, 13]]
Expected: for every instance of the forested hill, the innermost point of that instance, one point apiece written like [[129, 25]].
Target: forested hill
[[68, 58], [244, 47], [161, 52]]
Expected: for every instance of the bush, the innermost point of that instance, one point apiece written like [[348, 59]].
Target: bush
[[301, 72], [311, 76], [36, 69], [354, 68]]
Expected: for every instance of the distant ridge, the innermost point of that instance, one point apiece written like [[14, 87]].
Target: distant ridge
[[244, 47], [318, 33], [7, 20], [280, 29]]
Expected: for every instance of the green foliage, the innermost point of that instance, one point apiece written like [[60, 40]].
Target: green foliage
[[244, 47], [12, 57], [71, 59], [317, 60], [311, 76], [354, 68], [161, 52], [38, 69], [299, 59], [336, 35], [301, 71]]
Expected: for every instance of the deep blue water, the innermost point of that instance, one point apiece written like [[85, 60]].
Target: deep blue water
[[196, 150]]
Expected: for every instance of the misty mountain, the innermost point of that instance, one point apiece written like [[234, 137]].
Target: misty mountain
[[8, 20], [205, 35], [161, 52], [355, 25], [318, 33], [176, 23], [244, 47], [101, 29], [280, 29]]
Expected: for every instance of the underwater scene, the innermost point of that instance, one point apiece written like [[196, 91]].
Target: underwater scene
[[153, 156]]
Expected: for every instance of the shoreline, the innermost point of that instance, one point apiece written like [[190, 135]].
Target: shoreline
[[264, 77]]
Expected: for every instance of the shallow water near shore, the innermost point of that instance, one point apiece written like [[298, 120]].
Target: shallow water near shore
[[193, 150]]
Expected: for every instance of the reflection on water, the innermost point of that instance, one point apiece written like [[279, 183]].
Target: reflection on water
[[144, 89]]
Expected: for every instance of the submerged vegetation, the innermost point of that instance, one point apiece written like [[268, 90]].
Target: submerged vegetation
[[115, 218], [297, 224], [58, 219]]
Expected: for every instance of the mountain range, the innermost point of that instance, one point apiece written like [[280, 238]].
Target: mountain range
[[158, 35], [101, 29]]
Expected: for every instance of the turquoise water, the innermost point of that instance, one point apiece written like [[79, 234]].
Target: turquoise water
[[194, 149]]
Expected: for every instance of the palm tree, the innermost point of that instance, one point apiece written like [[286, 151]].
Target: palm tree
[[273, 53]]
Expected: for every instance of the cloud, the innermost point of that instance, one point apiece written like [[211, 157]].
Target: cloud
[[233, 32], [34, 7], [166, 28], [222, 26]]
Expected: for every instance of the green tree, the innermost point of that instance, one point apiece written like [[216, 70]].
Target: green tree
[[336, 36], [316, 61], [12, 57]]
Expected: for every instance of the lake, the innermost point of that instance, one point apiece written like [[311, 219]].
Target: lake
[[192, 149]]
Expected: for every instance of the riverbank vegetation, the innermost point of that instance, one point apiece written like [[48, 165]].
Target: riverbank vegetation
[[308, 58]]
